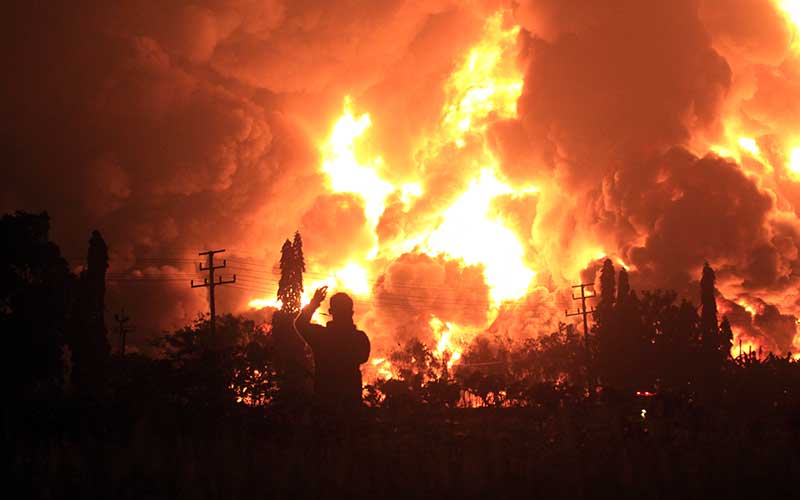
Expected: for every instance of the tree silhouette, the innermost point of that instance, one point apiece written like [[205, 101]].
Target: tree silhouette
[[708, 318], [293, 356], [607, 283], [609, 343], [676, 357], [34, 301], [290, 286], [300, 262], [633, 362], [87, 333], [236, 365], [623, 286], [97, 265], [725, 336]]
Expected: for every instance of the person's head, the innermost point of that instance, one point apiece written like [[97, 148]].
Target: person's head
[[341, 306]]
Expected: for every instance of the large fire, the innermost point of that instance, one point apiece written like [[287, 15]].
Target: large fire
[[484, 87], [770, 155]]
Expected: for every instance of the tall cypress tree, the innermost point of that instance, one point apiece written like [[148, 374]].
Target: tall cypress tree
[[297, 246], [97, 265], [607, 329], [293, 355], [607, 283], [708, 319], [290, 303], [290, 286], [725, 337], [87, 339], [299, 264], [623, 286]]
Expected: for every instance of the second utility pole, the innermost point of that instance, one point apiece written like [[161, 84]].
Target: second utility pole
[[585, 313], [210, 283], [123, 329]]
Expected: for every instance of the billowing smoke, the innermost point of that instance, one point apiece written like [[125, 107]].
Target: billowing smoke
[[623, 104], [660, 134]]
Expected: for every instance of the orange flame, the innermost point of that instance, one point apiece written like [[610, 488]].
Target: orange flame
[[482, 88]]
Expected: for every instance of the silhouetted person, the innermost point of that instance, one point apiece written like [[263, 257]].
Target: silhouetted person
[[294, 359], [339, 349]]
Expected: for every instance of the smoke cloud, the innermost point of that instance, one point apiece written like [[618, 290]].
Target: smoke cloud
[[173, 128]]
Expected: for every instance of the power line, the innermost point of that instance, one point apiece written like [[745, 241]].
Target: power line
[[261, 281], [261, 286]]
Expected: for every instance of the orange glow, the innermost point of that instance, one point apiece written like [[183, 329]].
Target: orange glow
[[345, 172], [483, 87], [468, 233], [383, 368], [793, 163], [748, 344], [749, 144], [739, 146], [747, 307], [621, 263], [791, 10], [265, 302], [463, 224], [444, 333]]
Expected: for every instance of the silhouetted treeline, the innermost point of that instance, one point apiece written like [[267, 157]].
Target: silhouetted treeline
[[52, 319], [669, 413], [652, 342], [640, 342]]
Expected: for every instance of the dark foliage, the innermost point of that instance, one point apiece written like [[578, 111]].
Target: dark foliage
[[223, 415], [237, 364], [87, 334], [35, 297]]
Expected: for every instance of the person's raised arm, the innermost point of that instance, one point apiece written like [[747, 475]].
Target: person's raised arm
[[303, 320]]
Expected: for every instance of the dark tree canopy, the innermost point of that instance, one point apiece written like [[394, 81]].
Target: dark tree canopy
[[236, 364], [96, 267], [87, 337], [726, 335], [35, 285], [708, 303], [623, 285], [656, 340]]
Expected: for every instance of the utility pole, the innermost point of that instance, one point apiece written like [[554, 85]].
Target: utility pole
[[210, 283], [585, 313], [122, 328]]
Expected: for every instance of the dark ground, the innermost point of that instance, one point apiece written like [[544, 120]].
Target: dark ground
[[587, 450]]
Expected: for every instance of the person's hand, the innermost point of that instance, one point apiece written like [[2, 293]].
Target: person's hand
[[319, 296]]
